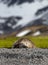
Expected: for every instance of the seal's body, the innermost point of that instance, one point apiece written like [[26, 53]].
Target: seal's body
[[23, 43]]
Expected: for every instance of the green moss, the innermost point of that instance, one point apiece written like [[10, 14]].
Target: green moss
[[7, 42], [39, 41]]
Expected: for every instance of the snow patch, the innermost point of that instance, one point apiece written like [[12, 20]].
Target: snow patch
[[1, 32], [23, 33], [36, 33]]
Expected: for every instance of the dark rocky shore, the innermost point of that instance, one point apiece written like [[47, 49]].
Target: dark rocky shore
[[24, 56]]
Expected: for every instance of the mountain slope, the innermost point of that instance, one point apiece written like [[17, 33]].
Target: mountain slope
[[15, 15]]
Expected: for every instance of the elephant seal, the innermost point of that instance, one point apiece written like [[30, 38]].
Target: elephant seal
[[23, 43]]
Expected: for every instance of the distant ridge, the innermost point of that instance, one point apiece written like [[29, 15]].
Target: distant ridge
[[12, 2], [16, 15]]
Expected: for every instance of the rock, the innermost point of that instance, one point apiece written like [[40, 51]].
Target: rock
[[24, 56]]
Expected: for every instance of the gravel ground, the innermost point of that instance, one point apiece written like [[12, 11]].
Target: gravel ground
[[24, 56]]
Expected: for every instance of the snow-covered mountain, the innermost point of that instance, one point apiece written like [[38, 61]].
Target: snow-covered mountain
[[17, 14]]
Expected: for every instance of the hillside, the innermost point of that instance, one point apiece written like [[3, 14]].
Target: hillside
[[15, 16]]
